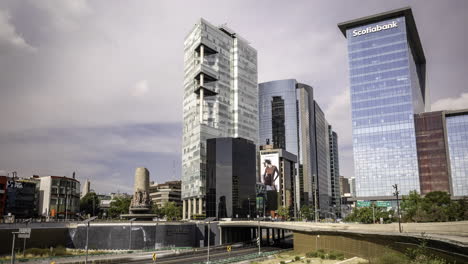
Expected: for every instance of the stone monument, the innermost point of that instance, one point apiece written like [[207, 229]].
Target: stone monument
[[141, 202], [140, 206]]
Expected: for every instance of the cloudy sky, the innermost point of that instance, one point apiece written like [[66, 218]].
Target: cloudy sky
[[96, 86]]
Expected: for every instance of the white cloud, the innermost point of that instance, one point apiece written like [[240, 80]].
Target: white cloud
[[141, 88], [451, 103], [8, 34]]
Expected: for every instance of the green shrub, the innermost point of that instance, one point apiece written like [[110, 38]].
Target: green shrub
[[335, 255], [311, 254], [308, 261], [37, 251], [427, 259], [391, 258], [282, 262], [59, 251], [296, 258]]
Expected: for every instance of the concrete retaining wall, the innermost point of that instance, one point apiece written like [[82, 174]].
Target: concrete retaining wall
[[145, 235]]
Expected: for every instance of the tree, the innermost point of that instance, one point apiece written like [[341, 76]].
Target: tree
[[283, 211], [435, 206], [463, 209], [411, 207], [119, 206], [172, 211], [89, 204], [307, 212], [155, 209], [365, 215]]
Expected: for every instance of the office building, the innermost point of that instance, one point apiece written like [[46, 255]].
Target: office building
[[457, 138], [278, 173], [335, 182], [3, 193], [323, 162], [59, 197], [433, 157], [220, 100], [344, 186], [231, 181], [290, 119], [163, 193], [387, 81], [352, 185], [21, 198]]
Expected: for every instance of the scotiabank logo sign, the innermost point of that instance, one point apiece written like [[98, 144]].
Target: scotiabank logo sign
[[374, 29]]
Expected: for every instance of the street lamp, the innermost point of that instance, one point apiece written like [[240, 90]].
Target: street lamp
[[130, 241], [208, 221], [248, 216], [86, 222], [395, 186], [259, 237], [24, 239]]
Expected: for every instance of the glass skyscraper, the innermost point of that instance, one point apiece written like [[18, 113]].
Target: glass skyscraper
[[290, 119], [457, 137], [220, 100], [387, 81]]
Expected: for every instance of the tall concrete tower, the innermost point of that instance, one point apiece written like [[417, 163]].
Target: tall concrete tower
[[86, 188], [220, 100]]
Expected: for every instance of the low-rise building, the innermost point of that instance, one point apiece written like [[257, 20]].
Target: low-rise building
[[163, 193], [3, 185], [59, 196], [21, 198], [277, 172]]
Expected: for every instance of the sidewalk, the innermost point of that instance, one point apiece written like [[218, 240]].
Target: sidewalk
[[104, 258]]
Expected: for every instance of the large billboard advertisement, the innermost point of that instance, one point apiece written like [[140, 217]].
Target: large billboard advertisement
[[269, 171]]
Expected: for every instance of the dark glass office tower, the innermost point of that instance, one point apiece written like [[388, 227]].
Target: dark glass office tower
[[387, 80], [293, 121], [231, 179], [334, 173]]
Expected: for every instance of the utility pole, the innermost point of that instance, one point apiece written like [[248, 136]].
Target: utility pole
[[259, 238], [13, 248], [209, 231], [249, 208], [315, 203], [396, 193], [373, 213], [86, 222]]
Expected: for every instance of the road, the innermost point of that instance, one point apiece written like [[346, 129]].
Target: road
[[201, 256]]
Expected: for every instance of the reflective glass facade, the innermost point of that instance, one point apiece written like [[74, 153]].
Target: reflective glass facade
[[292, 120], [231, 180], [457, 132], [286, 115], [433, 159], [220, 100], [323, 161], [334, 172], [387, 89]]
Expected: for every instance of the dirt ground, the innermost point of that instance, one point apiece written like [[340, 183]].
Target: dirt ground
[[290, 255]]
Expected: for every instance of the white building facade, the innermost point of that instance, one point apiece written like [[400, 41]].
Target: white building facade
[[220, 100], [59, 197]]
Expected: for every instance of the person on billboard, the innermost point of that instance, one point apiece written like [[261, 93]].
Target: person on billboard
[[270, 175]]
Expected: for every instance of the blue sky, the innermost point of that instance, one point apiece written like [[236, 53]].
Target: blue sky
[[96, 86]]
